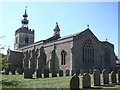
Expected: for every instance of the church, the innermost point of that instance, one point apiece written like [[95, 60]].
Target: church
[[82, 50]]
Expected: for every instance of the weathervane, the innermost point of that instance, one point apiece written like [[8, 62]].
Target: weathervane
[[25, 6]]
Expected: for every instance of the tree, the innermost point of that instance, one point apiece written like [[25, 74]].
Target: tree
[[3, 61], [3, 58]]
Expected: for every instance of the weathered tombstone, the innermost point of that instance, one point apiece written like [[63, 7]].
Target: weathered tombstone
[[46, 73], [28, 73], [113, 77], [74, 83], [77, 71], [13, 71], [7, 71], [81, 71], [54, 74], [96, 76], [60, 73], [72, 72], [86, 80], [39, 73], [105, 76], [119, 76], [67, 72]]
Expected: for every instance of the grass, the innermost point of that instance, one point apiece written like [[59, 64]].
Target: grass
[[18, 81]]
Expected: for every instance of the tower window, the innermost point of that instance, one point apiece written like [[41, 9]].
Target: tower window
[[63, 57], [26, 40]]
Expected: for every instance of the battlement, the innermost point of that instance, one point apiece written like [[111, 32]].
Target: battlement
[[24, 30]]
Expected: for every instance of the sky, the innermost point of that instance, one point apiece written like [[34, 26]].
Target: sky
[[72, 17]]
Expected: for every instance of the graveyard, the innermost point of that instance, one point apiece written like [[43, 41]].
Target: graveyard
[[91, 81]]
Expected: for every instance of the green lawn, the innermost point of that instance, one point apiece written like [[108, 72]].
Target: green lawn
[[18, 81]]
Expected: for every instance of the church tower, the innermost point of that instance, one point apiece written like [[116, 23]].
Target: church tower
[[24, 36]]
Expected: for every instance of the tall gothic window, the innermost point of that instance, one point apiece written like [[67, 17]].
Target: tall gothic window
[[63, 57], [107, 55], [88, 51]]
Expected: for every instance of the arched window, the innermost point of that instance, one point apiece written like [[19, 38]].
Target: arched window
[[63, 57], [88, 51], [26, 40], [107, 55]]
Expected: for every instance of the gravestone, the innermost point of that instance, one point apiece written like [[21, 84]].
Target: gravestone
[[60, 73], [39, 73], [74, 83], [119, 76], [28, 73], [54, 74], [46, 73], [86, 80], [96, 77], [67, 72], [105, 76], [113, 77], [81, 71], [72, 72], [7, 71]]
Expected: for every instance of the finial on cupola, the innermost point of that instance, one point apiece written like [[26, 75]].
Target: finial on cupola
[[88, 26], [25, 21]]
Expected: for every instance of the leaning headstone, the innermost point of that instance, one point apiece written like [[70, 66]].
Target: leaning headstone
[[105, 76], [67, 72], [74, 83], [39, 73], [46, 73], [60, 73], [7, 71], [96, 76], [81, 71], [119, 76], [86, 80], [113, 77], [28, 73], [54, 74]]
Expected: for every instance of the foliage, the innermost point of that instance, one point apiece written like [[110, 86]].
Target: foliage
[[3, 61]]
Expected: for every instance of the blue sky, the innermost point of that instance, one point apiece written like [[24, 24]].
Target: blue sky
[[72, 17]]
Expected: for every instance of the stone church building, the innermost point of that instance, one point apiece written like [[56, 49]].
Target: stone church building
[[82, 50]]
